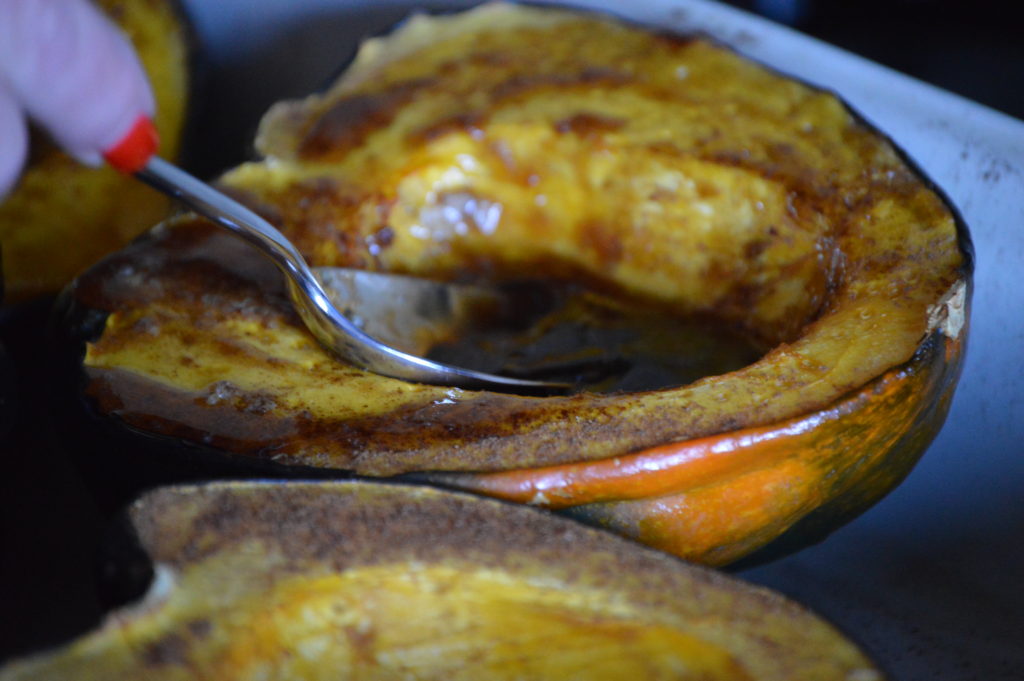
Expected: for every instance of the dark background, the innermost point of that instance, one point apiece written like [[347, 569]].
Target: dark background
[[49, 527], [972, 48]]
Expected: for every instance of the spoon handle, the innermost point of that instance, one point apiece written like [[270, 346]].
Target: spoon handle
[[225, 211]]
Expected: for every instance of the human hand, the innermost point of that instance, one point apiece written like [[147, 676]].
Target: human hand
[[70, 69]]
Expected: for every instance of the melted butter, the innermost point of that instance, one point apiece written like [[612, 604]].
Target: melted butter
[[598, 342]]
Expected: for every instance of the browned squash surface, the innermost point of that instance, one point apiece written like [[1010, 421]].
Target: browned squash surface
[[516, 142], [365, 581], [63, 216]]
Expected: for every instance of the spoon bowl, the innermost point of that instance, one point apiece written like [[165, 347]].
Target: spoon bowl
[[375, 321]]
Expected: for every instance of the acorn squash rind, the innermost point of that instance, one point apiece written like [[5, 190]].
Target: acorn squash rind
[[887, 302], [767, 490]]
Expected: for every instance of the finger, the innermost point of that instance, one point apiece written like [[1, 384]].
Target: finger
[[74, 73], [14, 137]]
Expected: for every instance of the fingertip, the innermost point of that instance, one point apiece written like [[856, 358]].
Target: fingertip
[[75, 73], [14, 133]]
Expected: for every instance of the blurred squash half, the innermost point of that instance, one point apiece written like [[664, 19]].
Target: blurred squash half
[[344, 580], [510, 143]]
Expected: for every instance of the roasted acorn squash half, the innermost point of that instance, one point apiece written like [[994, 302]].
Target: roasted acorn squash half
[[339, 580], [509, 143], [62, 216]]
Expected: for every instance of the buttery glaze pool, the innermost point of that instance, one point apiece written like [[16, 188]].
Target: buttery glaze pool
[[596, 342]]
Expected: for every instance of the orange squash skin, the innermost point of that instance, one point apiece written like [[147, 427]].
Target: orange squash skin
[[715, 500]]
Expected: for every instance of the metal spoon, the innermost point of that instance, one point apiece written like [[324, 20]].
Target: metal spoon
[[370, 301]]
